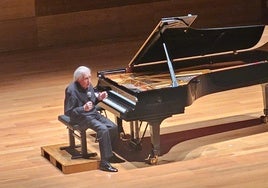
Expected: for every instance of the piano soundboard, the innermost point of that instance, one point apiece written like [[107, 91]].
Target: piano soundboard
[[145, 82]]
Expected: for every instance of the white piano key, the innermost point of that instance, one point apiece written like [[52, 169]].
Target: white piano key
[[114, 105], [124, 98]]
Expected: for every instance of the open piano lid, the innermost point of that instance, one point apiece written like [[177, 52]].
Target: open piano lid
[[182, 41]]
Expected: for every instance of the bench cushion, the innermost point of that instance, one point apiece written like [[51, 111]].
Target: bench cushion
[[66, 121]]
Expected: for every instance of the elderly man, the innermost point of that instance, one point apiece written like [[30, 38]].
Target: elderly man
[[80, 105]]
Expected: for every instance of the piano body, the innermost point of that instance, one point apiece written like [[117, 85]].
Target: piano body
[[178, 64]]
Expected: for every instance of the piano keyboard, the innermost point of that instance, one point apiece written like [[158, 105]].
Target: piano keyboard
[[114, 105], [122, 97], [119, 102]]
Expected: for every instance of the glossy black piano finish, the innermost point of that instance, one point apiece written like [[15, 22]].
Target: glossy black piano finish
[[178, 64]]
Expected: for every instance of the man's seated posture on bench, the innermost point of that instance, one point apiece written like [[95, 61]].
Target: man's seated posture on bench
[[79, 105]]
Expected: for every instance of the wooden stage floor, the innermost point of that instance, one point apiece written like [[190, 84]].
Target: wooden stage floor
[[218, 142]]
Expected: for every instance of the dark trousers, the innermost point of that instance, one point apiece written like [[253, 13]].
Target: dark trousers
[[107, 134]]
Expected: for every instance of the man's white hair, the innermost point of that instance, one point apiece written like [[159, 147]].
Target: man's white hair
[[80, 71]]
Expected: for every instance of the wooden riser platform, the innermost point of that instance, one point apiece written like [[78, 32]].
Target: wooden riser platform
[[62, 160]]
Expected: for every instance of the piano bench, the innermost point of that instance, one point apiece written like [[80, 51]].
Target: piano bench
[[75, 131]]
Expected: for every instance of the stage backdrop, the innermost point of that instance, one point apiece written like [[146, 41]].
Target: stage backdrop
[[31, 24]]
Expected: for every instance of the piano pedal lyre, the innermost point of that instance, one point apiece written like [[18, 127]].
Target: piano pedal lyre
[[135, 139]]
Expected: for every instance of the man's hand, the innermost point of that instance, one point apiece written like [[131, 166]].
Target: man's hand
[[88, 106], [102, 95]]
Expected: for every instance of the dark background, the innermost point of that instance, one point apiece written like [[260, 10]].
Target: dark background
[[33, 24]]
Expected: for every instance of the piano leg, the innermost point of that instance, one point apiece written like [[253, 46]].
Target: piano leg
[[155, 141], [121, 131], [265, 100]]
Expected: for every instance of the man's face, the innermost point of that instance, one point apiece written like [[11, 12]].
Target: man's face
[[85, 80]]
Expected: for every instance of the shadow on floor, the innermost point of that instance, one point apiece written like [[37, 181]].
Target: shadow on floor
[[171, 139]]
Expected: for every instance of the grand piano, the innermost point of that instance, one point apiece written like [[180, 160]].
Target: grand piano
[[178, 64]]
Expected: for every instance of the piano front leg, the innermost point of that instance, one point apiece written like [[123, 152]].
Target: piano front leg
[[265, 104], [155, 142]]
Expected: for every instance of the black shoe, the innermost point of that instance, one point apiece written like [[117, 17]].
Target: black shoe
[[107, 167], [115, 159]]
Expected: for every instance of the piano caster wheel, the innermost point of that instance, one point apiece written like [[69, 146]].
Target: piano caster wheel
[[264, 119], [152, 160]]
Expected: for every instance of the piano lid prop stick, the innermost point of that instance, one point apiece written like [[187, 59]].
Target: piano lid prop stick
[[170, 67]]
